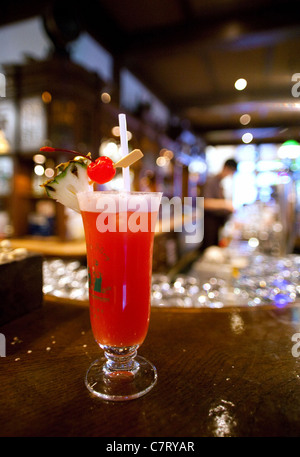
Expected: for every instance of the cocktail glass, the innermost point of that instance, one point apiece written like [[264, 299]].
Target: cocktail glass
[[119, 231]]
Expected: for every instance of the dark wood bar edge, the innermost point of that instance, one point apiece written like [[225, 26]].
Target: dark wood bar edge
[[221, 372]]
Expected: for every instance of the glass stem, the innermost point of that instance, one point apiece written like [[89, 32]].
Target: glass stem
[[120, 360]]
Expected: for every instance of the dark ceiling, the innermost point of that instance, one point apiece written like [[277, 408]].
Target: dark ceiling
[[189, 53]]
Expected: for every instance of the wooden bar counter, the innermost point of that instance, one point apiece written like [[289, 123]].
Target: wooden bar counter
[[229, 372]]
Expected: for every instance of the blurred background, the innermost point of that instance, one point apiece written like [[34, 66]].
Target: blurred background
[[199, 81]]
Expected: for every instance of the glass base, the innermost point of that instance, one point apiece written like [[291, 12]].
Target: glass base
[[121, 384]]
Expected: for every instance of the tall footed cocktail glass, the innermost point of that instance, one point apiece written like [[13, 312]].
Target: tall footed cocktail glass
[[119, 231]]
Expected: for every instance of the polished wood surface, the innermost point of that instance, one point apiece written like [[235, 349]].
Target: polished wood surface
[[228, 372]]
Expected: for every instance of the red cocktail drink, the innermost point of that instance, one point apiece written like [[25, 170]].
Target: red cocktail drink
[[119, 230], [119, 269]]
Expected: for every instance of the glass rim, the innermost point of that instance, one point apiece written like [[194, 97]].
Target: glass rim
[[120, 192], [94, 200]]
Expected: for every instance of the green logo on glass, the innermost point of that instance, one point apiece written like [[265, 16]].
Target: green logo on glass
[[96, 285]]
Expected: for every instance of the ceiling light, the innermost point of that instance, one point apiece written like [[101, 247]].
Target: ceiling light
[[49, 172], [240, 84], [46, 97], [39, 158], [168, 154], [110, 149], [39, 170], [162, 161], [105, 97], [247, 137], [116, 132], [245, 119]]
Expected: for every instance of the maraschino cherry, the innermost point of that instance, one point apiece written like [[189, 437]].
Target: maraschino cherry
[[100, 171]]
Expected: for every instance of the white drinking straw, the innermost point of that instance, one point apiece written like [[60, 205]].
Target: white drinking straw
[[124, 150]]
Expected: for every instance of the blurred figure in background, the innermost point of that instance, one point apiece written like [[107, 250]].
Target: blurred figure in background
[[217, 209]]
